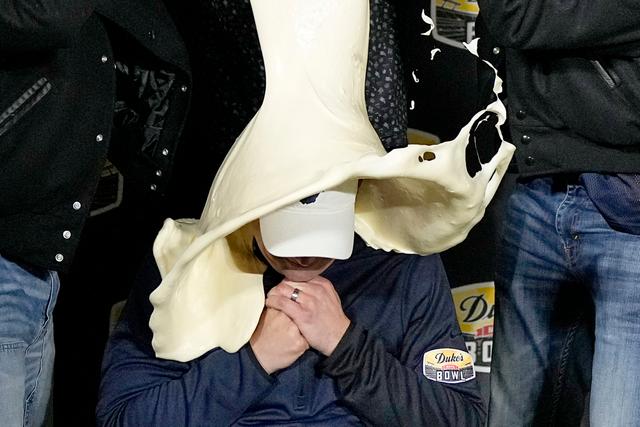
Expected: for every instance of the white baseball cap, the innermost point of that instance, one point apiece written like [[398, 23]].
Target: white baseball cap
[[321, 225]]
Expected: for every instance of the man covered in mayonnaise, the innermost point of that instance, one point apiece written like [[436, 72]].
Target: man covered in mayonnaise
[[305, 293]]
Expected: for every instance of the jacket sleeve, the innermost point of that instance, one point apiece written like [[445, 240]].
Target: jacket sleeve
[[386, 389], [31, 25], [596, 26], [139, 389]]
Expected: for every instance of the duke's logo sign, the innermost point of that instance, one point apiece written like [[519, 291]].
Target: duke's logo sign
[[474, 310]]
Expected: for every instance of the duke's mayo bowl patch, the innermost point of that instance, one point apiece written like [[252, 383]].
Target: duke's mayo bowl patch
[[448, 365]]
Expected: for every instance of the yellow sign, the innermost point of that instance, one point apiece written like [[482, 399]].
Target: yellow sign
[[465, 6], [474, 310]]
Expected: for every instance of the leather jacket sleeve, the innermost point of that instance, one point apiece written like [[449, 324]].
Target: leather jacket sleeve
[[600, 27], [33, 25]]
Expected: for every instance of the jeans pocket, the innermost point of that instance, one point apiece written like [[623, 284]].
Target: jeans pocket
[[26, 303]]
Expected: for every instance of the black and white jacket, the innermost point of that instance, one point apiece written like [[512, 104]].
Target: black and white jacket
[[64, 66]]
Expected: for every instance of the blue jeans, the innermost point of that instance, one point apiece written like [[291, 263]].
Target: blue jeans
[[27, 298], [563, 275]]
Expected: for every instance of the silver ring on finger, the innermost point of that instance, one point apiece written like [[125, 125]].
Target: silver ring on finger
[[294, 295]]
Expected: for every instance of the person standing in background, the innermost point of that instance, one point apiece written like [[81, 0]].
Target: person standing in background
[[568, 258], [62, 71]]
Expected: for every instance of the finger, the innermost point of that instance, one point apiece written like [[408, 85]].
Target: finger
[[285, 305], [307, 292], [325, 286], [317, 290], [320, 280], [282, 289], [285, 290], [305, 287], [322, 283], [285, 287]]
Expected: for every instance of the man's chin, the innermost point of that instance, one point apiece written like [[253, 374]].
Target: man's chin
[[300, 276]]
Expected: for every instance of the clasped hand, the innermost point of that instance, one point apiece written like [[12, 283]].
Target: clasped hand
[[287, 328]]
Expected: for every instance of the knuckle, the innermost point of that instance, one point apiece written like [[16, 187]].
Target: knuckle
[[273, 300], [306, 316], [311, 306], [300, 342]]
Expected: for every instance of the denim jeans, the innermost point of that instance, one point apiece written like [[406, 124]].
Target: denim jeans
[[27, 298], [562, 275]]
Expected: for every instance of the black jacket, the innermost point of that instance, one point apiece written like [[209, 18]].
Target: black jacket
[[573, 75], [64, 72]]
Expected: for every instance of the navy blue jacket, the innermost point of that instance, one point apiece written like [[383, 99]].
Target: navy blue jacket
[[400, 307]]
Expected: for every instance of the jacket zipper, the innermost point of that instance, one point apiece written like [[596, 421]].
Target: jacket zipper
[[604, 74], [23, 104]]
